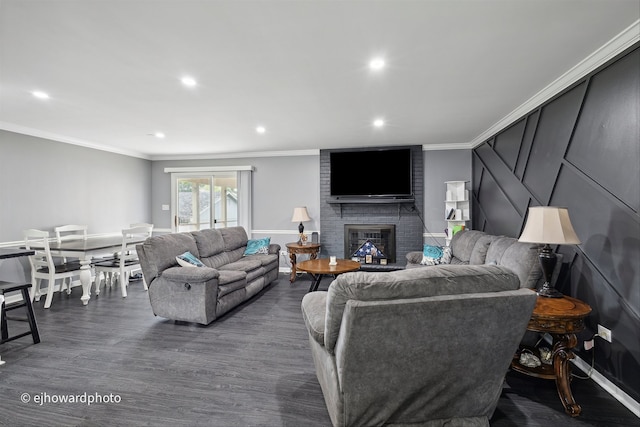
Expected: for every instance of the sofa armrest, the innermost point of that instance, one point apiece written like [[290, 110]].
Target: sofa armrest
[[190, 274], [314, 310], [414, 257], [274, 248]]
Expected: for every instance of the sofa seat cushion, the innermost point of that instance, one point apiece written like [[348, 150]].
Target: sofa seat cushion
[[265, 259], [411, 283], [251, 265], [314, 308], [230, 281]]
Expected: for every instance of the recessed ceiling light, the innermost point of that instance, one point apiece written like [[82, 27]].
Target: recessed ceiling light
[[378, 123], [377, 64], [159, 135], [39, 94], [188, 81], [261, 129]]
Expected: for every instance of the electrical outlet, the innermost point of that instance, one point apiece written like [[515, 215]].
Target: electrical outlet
[[604, 333], [284, 253]]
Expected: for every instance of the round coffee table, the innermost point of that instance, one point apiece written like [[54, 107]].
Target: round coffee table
[[320, 267]]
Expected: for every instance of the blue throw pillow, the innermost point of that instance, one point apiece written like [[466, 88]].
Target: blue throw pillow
[[431, 255], [187, 259], [258, 246]]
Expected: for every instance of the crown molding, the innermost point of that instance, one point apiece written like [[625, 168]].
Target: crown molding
[[239, 155], [67, 140], [449, 146], [608, 51]]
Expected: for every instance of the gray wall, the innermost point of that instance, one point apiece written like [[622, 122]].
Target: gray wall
[[279, 185], [580, 150], [441, 166], [44, 184]]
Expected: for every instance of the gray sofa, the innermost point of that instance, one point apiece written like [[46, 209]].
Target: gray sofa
[[423, 346], [202, 294], [473, 247]]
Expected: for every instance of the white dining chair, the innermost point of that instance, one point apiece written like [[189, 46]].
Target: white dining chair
[[43, 266], [66, 233], [126, 261]]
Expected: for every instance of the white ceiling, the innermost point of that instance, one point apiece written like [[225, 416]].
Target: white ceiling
[[456, 70]]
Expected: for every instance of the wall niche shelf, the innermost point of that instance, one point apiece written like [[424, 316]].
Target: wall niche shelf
[[456, 206]]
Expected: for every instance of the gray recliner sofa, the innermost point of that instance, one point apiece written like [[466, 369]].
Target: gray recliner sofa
[[423, 346], [473, 247], [202, 294]]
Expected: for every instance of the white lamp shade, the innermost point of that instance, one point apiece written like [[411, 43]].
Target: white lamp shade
[[300, 215], [549, 224]]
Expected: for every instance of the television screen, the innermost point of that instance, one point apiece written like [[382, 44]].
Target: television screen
[[371, 173]]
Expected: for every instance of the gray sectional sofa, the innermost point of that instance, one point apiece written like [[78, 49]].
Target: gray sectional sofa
[[423, 346], [202, 294], [473, 247]]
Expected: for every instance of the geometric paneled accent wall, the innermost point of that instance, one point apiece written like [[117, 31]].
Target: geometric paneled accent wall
[[580, 150]]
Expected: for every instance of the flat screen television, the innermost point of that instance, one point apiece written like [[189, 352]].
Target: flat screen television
[[371, 173]]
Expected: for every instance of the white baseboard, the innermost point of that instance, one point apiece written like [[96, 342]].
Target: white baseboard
[[608, 386]]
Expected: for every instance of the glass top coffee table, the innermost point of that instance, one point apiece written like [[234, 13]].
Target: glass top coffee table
[[320, 267]]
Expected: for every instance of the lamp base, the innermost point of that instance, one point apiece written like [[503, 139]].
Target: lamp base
[[547, 291]]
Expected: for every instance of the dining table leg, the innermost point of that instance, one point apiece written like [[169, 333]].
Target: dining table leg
[[85, 279]]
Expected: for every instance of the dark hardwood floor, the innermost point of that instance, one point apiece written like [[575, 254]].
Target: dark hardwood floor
[[253, 367]]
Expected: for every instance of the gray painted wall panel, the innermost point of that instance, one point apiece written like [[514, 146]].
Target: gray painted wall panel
[[598, 182], [602, 126], [610, 238], [527, 141], [510, 186], [505, 219], [552, 136], [507, 144]]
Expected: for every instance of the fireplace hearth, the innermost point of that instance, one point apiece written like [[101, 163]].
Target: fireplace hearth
[[373, 244]]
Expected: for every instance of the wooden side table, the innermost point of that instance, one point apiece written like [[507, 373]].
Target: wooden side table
[[561, 318], [295, 248]]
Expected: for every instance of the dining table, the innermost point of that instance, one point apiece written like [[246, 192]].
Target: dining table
[[85, 251]]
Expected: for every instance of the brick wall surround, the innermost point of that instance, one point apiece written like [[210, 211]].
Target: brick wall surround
[[406, 217]]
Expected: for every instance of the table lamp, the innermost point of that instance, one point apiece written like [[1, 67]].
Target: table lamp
[[548, 225], [300, 215]]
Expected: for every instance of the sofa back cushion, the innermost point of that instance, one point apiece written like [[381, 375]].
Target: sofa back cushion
[[212, 247], [411, 283], [520, 257], [160, 252], [462, 244], [479, 251]]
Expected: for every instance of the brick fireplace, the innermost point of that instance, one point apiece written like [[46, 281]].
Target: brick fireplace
[[405, 218]]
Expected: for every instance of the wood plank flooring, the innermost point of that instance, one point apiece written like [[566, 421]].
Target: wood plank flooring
[[253, 367]]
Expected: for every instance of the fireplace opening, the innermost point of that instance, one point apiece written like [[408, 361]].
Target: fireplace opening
[[370, 243]]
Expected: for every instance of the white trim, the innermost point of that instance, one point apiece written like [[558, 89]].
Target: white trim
[[68, 140], [293, 231], [288, 153], [198, 169], [608, 386], [613, 47], [450, 146]]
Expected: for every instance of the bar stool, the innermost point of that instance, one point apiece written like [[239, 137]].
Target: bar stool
[[26, 302]]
